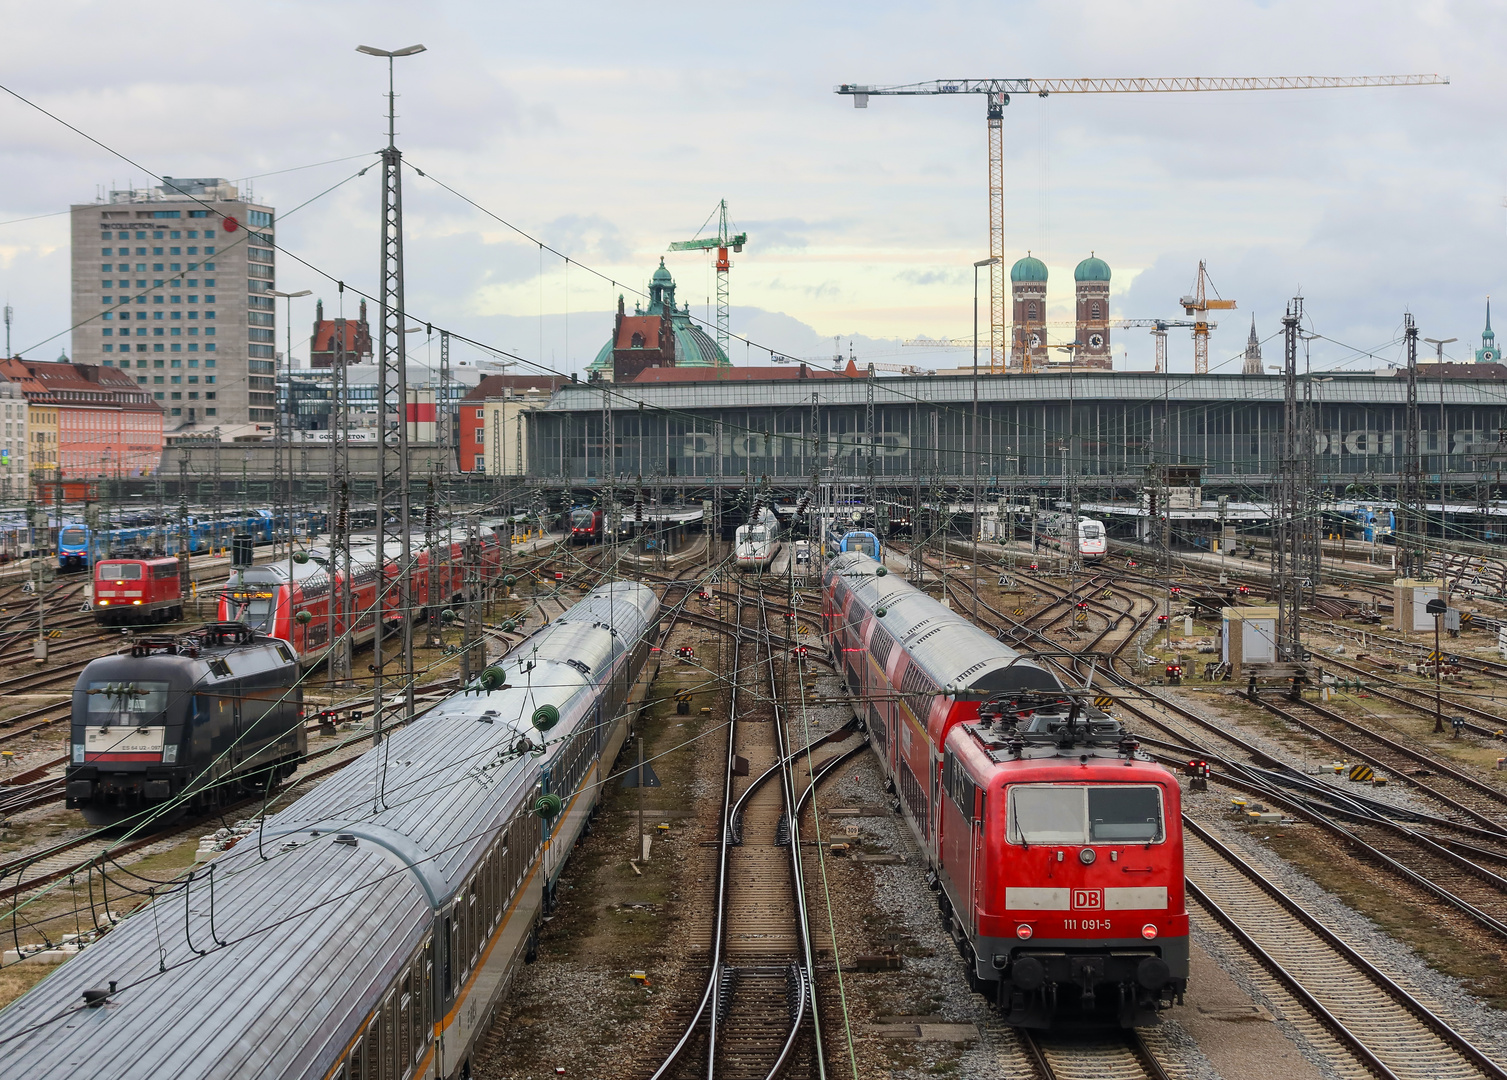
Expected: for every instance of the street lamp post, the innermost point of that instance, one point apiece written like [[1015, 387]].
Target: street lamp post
[[974, 442]]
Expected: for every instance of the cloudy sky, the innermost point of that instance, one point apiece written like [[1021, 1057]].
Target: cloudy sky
[[609, 130]]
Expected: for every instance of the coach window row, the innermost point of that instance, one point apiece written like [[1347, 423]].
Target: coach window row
[[399, 1031], [479, 907]]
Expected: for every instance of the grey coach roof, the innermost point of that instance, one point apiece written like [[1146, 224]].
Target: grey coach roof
[[1048, 386]]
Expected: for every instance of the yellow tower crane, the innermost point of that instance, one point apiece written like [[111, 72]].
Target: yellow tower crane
[[997, 93], [1199, 305]]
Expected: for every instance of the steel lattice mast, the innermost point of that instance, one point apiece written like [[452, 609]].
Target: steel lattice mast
[[392, 425], [997, 95]]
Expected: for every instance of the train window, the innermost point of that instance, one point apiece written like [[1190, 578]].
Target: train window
[[165, 571], [405, 1023], [115, 571], [1107, 814], [1048, 815], [126, 703], [390, 1038], [369, 1053], [74, 536], [1125, 815], [356, 1059], [475, 922]]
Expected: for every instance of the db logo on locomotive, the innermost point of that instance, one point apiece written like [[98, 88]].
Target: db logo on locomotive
[[1088, 899]]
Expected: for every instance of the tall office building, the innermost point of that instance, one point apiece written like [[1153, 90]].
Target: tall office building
[[171, 284]]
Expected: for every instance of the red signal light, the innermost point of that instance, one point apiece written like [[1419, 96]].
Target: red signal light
[[1024, 931], [1148, 931]]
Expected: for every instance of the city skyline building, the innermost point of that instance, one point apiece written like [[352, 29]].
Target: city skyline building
[[87, 420], [170, 285]]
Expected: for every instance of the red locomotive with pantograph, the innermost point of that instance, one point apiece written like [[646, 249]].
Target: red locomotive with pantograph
[[1054, 842], [134, 592]]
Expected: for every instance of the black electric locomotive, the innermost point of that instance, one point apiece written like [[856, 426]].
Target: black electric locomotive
[[197, 719]]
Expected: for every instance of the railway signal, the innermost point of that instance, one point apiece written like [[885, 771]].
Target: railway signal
[[1198, 773], [1175, 674], [686, 652]]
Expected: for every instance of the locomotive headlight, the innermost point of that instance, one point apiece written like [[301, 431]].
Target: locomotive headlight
[[1087, 856], [170, 754], [78, 753], [1023, 931], [1148, 931]]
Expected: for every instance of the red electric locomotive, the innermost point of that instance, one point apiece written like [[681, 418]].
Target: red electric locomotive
[[297, 609], [1056, 845], [133, 592]]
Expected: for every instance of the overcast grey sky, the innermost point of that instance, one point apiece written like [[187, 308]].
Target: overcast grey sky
[[609, 130]]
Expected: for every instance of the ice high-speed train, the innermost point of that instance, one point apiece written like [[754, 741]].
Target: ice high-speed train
[[372, 930], [1057, 532], [756, 544]]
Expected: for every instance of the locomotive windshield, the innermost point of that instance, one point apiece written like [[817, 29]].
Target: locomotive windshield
[[252, 608], [1107, 814], [1092, 532], [126, 704], [74, 536], [865, 543], [116, 571], [757, 536], [581, 519]]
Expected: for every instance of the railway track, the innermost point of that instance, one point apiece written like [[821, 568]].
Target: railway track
[[1364, 1021], [1345, 1001], [758, 1016], [1091, 1056]]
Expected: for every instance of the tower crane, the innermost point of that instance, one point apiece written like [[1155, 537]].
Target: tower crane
[[996, 93], [1199, 305], [722, 241]]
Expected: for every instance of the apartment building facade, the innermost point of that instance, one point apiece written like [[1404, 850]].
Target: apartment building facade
[[171, 286]]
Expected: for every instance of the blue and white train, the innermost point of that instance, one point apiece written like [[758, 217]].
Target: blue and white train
[[373, 928], [79, 545]]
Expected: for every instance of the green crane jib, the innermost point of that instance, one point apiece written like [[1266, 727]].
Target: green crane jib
[[722, 241]]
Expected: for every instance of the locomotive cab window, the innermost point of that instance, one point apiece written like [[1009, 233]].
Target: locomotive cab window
[[134, 704], [119, 571], [1104, 814]]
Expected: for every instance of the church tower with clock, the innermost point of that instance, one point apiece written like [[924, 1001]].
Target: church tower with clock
[[1028, 291], [1091, 281]]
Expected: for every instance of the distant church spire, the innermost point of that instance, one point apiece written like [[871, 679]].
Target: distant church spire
[[1252, 352], [1488, 353]]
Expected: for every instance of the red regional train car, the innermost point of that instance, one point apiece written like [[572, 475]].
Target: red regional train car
[[585, 525], [266, 598], [133, 592], [1056, 845]]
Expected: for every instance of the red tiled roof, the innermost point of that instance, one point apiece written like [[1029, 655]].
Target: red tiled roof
[[492, 386], [645, 325]]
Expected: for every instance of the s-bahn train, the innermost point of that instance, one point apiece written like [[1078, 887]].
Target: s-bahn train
[[135, 534], [1056, 844], [840, 541], [1057, 532], [756, 543], [133, 592], [585, 525], [374, 926], [186, 722], [265, 598]]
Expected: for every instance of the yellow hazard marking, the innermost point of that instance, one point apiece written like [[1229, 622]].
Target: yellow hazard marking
[[1361, 772], [1019, 612], [1103, 701]]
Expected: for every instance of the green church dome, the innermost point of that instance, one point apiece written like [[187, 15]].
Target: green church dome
[[1029, 269], [1092, 269]]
